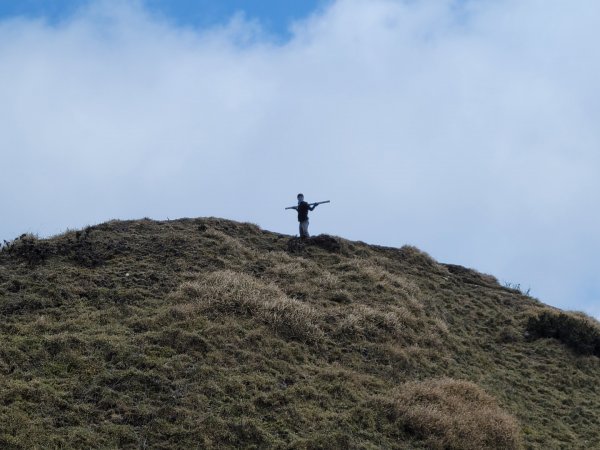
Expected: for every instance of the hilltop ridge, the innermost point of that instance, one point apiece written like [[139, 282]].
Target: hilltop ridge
[[212, 333]]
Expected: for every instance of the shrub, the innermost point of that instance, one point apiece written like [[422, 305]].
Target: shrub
[[29, 248], [229, 292], [576, 330], [453, 414], [326, 242]]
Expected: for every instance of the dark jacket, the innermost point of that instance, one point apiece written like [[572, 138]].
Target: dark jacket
[[303, 209]]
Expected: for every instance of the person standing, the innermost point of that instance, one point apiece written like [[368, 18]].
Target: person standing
[[303, 209]]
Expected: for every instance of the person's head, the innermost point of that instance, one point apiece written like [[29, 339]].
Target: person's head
[[300, 197]]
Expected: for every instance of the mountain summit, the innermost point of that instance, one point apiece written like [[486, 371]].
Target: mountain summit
[[208, 333]]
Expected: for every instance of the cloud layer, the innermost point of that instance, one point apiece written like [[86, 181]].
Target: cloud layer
[[466, 128]]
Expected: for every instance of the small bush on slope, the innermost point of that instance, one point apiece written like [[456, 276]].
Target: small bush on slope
[[454, 414], [28, 248], [576, 330]]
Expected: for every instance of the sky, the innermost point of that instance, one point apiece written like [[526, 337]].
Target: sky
[[468, 128]]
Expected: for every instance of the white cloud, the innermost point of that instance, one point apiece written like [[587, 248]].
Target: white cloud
[[470, 131]]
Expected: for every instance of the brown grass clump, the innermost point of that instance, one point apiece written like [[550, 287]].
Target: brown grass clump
[[299, 277], [233, 293], [417, 257], [454, 414], [228, 245], [371, 273], [395, 322], [288, 269]]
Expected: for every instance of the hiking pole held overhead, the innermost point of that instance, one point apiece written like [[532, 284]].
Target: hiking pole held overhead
[[310, 204]]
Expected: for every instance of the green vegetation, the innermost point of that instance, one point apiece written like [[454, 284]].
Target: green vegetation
[[576, 330], [207, 333]]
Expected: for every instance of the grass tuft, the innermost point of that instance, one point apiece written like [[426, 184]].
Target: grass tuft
[[454, 414], [232, 293], [376, 325]]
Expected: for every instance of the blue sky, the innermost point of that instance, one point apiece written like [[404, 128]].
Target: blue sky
[[470, 132], [275, 16]]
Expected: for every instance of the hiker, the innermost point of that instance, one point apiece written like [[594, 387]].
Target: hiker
[[303, 209]]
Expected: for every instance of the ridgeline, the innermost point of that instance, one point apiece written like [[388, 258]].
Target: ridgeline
[[208, 333]]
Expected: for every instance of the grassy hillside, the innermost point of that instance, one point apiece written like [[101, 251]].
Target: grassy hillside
[[207, 333]]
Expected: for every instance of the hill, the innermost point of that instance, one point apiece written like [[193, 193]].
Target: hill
[[207, 333]]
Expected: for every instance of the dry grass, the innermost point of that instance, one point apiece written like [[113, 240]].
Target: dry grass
[[454, 414], [374, 324], [286, 270], [233, 293], [371, 284]]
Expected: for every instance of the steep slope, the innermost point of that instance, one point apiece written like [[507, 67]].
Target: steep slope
[[211, 333]]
